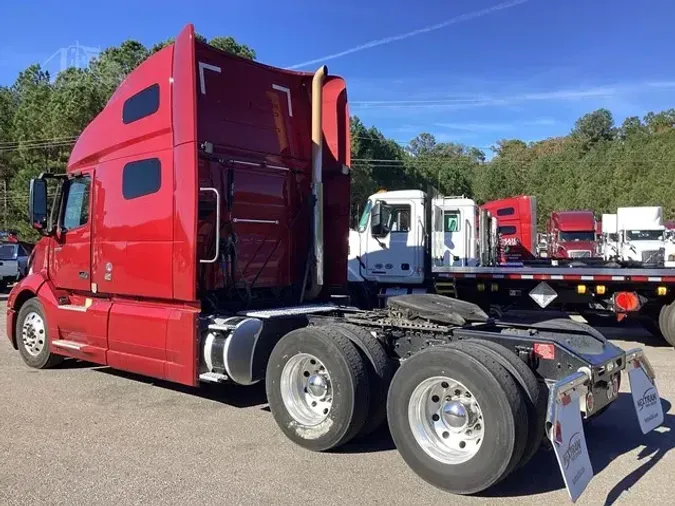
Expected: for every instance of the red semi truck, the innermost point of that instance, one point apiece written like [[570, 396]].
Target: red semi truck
[[200, 235], [572, 234], [517, 226]]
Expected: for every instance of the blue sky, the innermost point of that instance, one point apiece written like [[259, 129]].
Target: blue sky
[[470, 71]]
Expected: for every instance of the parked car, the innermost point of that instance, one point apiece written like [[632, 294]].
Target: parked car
[[13, 262]]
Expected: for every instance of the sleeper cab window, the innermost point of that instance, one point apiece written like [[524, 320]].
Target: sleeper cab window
[[507, 230], [506, 211], [142, 104], [141, 177]]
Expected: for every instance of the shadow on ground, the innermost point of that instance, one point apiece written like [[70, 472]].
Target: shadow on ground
[[608, 437], [233, 395], [378, 441]]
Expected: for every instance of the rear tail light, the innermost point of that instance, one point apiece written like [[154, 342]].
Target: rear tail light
[[625, 302], [544, 351]]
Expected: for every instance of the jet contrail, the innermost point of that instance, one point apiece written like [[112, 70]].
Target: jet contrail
[[394, 38]]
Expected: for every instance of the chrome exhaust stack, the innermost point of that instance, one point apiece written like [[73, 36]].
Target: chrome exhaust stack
[[317, 183]]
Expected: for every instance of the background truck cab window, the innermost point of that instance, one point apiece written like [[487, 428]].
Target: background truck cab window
[[77, 206], [363, 223], [400, 219], [451, 221]]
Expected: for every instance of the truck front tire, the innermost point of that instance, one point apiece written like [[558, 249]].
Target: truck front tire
[[32, 336], [457, 418], [317, 388]]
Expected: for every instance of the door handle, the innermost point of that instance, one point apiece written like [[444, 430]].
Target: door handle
[[59, 248], [84, 274]]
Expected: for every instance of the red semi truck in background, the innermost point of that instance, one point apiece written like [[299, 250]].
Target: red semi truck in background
[[517, 226], [572, 234], [191, 240], [569, 234]]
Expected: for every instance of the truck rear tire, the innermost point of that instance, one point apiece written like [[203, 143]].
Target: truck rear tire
[[380, 371], [535, 394], [457, 418], [317, 388], [32, 336]]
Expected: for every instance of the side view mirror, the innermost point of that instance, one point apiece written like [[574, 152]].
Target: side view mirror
[[38, 204], [380, 216]]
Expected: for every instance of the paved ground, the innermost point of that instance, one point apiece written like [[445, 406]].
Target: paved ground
[[89, 435]]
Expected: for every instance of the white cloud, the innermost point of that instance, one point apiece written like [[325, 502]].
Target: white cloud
[[462, 101], [495, 127], [661, 84], [402, 36]]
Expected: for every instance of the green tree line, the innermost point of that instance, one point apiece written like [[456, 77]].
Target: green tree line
[[597, 166]]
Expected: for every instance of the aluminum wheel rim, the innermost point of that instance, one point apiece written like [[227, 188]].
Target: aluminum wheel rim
[[33, 334], [306, 389], [446, 420]]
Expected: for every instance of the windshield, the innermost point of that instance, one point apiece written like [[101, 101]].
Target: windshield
[[7, 251], [364, 217], [644, 235], [577, 236]]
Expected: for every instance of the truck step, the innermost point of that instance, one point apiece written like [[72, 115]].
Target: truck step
[[447, 288], [213, 377], [221, 326], [70, 345], [73, 307]]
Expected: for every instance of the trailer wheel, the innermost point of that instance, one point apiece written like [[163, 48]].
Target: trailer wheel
[[317, 388], [661, 319], [666, 323], [380, 371], [32, 336], [535, 394], [456, 417]]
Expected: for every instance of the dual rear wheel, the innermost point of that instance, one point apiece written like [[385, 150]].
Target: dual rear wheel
[[462, 415]]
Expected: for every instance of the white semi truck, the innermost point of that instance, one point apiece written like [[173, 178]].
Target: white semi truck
[[641, 234]]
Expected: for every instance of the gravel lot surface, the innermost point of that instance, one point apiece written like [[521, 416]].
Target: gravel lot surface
[[82, 434]]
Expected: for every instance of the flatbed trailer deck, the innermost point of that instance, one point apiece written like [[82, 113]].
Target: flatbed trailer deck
[[590, 273], [646, 294]]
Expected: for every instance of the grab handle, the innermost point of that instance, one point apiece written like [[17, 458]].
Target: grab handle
[[215, 257]]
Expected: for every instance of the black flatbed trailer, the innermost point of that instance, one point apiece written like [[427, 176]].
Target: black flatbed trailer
[[646, 294]]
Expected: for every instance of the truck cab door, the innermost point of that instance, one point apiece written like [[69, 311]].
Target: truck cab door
[[458, 231], [397, 256], [70, 259]]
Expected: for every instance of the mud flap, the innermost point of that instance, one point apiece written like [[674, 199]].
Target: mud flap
[[567, 433], [646, 399]]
